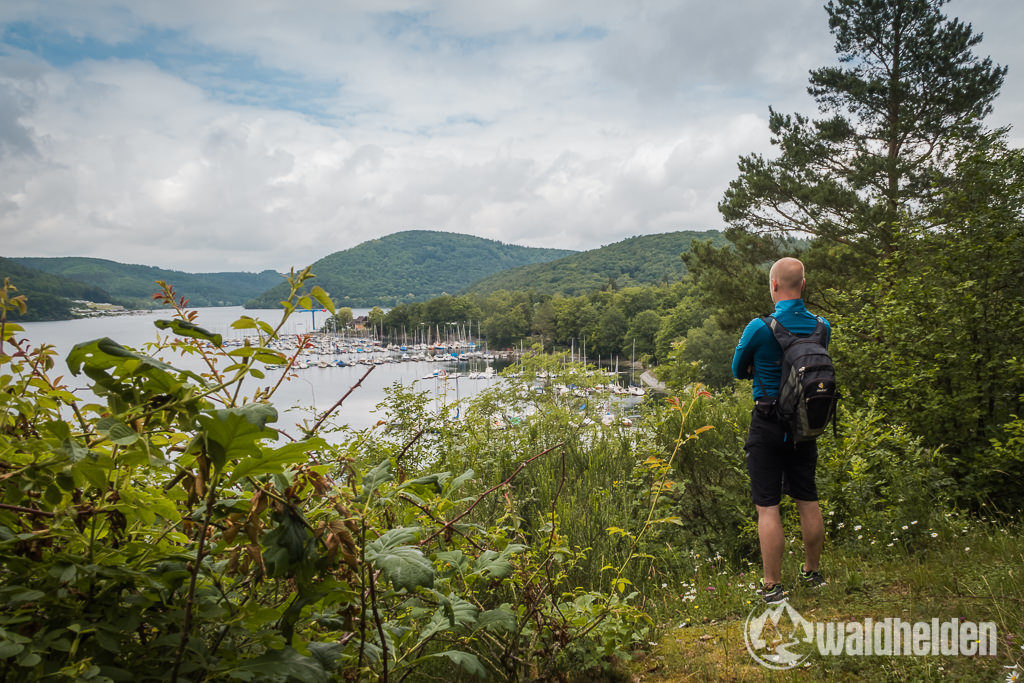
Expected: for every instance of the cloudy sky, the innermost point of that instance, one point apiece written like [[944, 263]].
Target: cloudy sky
[[242, 135]]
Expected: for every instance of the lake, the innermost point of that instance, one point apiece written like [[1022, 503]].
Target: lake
[[313, 387]]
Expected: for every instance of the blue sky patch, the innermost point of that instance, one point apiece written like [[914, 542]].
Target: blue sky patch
[[229, 77]]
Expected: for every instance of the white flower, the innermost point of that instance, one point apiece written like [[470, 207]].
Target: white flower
[[934, 535], [967, 549], [858, 527], [905, 527]]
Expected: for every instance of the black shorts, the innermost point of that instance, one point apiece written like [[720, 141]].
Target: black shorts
[[775, 465]]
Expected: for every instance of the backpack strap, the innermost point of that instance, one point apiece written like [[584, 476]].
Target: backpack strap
[[787, 338], [784, 337]]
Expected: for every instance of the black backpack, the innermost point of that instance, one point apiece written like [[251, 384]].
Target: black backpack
[[807, 392]]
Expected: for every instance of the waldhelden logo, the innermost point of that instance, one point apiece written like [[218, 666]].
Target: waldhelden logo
[[780, 638]]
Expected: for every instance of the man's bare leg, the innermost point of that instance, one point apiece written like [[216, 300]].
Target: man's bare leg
[[773, 540], [812, 528]]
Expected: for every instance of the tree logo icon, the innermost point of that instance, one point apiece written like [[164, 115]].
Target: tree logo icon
[[778, 638]]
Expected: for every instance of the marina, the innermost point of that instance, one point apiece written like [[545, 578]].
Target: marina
[[328, 364]]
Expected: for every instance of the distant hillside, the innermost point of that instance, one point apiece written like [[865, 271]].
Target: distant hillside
[[411, 266], [49, 296], [643, 260], [134, 286]]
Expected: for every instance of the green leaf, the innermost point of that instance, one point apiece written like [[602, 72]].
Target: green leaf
[[184, 328], [432, 482], [9, 649], [404, 566], [460, 480], [30, 660], [244, 323], [105, 353], [117, 431], [500, 618], [375, 477], [231, 433], [320, 295], [25, 595], [285, 664], [392, 538], [274, 461], [465, 661], [10, 329], [491, 562]]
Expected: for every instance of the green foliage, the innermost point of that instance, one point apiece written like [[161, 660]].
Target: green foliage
[[607, 321], [643, 260], [340, 320], [711, 348], [164, 533], [705, 494], [410, 266], [134, 285], [639, 339], [934, 340], [881, 478]]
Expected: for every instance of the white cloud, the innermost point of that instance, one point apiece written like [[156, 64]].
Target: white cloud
[[214, 136]]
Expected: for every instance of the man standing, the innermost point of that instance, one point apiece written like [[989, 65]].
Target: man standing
[[775, 460]]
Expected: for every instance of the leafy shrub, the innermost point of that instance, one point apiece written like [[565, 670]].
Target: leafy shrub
[[877, 480], [164, 534]]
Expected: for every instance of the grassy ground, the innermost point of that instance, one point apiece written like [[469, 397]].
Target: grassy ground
[[972, 570]]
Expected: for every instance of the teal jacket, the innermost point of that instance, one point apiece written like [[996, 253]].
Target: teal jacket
[[759, 350]]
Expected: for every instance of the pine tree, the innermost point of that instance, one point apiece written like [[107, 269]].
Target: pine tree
[[907, 97]]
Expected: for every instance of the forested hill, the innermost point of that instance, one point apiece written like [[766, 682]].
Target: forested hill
[[50, 296], [133, 285], [642, 260], [411, 266]]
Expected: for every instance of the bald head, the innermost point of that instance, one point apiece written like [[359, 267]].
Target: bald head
[[786, 279]]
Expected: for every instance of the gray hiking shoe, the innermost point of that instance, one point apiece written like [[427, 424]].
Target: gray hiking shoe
[[811, 579], [773, 594]]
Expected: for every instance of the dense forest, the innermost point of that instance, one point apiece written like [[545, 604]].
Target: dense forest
[[52, 295], [134, 285], [642, 260], [170, 526], [410, 266]]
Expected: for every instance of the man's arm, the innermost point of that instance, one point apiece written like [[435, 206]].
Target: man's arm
[[743, 357]]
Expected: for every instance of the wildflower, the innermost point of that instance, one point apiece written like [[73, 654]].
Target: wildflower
[[860, 536], [934, 535], [664, 585], [913, 523], [888, 545], [967, 549], [905, 527], [858, 527]]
